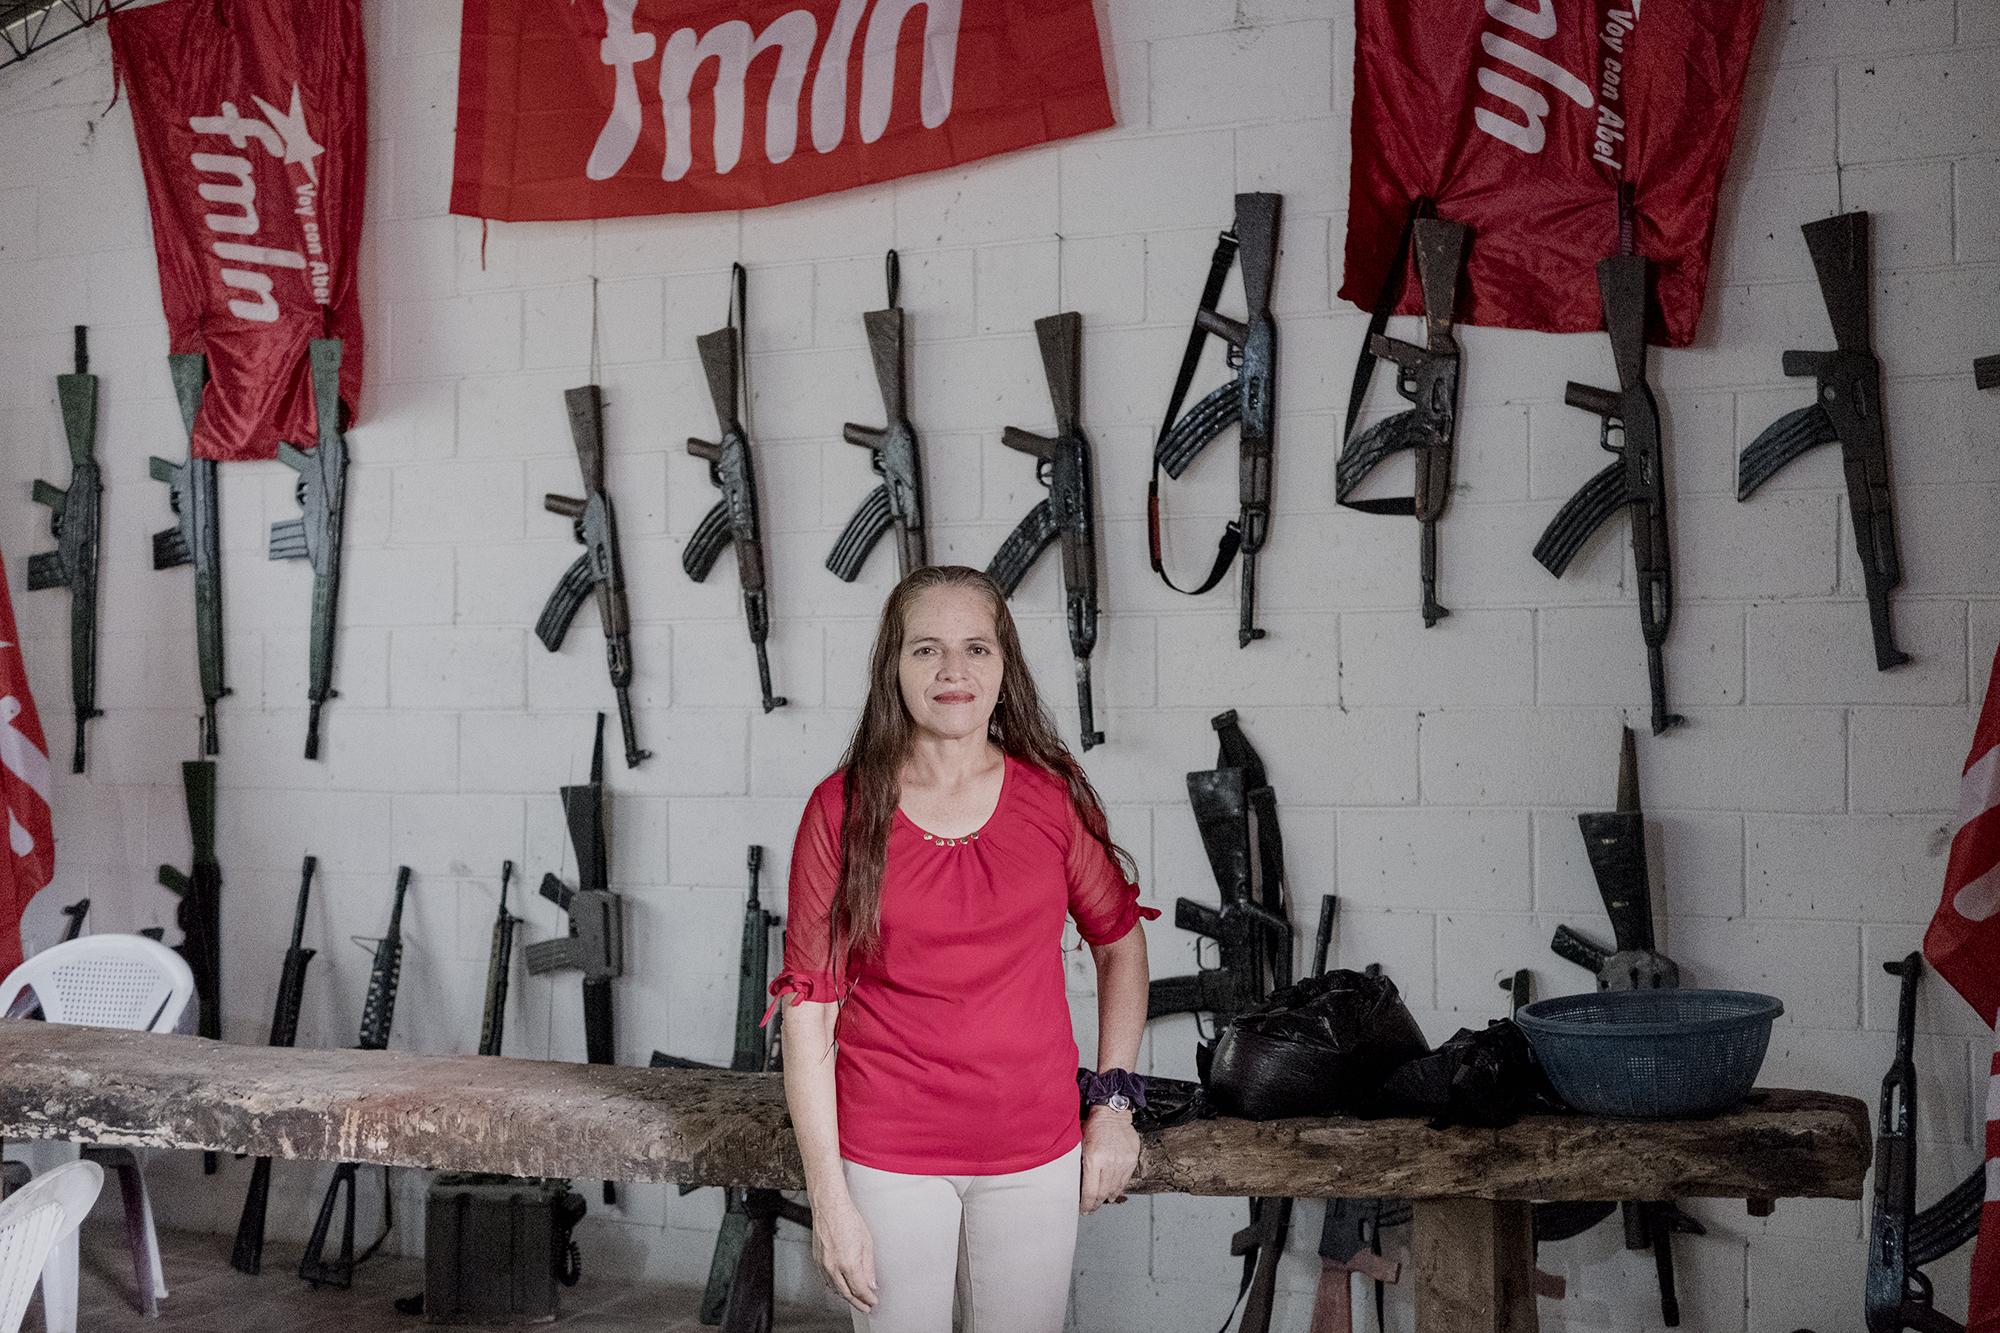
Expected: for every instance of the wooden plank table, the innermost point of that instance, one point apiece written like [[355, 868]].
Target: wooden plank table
[[1470, 1188]]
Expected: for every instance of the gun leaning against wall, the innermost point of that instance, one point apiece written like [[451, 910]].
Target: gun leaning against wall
[[315, 536], [1428, 377], [899, 501], [1636, 479], [378, 1012], [739, 1295], [1249, 400], [1847, 409], [733, 520], [199, 913], [1901, 1240], [595, 945], [75, 518], [1062, 464], [196, 537], [599, 568], [1615, 842], [1237, 813], [499, 969], [247, 1254]]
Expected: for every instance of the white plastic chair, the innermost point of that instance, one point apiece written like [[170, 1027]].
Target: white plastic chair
[[106, 981], [34, 1220]]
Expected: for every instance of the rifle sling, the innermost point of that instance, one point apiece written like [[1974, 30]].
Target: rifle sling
[[1232, 533]]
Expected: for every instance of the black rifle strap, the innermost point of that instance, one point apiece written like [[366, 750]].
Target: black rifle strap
[[1393, 280], [893, 267], [1232, 533]]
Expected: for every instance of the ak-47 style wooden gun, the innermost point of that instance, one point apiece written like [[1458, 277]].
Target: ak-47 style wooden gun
[[599, 568], [1847, 410], [1063, 465], [733, 520], [1427, 376], [1636, 479], [1250, 400], [247, 1254]]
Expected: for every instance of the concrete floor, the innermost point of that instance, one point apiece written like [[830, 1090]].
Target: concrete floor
[[210, 1296]]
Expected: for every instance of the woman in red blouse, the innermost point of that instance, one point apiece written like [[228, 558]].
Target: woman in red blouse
[[930, 882]]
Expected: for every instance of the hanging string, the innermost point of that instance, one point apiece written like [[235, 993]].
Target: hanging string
[[595, 360]]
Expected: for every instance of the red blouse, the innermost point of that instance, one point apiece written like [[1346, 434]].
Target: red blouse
[[955, 1052]]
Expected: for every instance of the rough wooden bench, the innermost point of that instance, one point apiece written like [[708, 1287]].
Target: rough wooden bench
[[1471, 1188]]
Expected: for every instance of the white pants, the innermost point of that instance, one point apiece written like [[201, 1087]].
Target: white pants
[[1003, 1245]]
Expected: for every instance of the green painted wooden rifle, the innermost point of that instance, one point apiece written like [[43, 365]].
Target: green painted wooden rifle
[[315, 536], [378, 1012], [595, 945], [899, 501], [733, 520], [1063, 465], [739, 1295], [247, 1254], [76, 517], [1249, 400], [1846, 410], [599, 568], [1636, 479], [1427, 376], [196, 537]]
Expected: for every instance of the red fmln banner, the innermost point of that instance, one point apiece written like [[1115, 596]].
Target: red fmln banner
[[253, 132], [29, 861], [608, 108], [1523, 120]]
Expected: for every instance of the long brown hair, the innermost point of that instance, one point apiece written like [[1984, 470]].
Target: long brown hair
[[883, 739]]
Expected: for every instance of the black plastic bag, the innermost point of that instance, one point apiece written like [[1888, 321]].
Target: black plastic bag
[[1488, 1078], [1320, 1046]]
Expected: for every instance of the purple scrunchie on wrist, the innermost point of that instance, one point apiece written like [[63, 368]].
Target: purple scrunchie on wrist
[[1097, 1087]]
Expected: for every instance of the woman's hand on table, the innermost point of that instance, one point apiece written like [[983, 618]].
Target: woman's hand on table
[[1110, 1154]]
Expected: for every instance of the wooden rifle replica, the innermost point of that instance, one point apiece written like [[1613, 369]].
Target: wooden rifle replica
[[199, 912], [595, 945], [1636, 479], [733, 520], [315, 536], [898, 501], [1901, 1240], [247, 1254], [76, 517], [1063, 465], [1847, 410], [1237, 813], [739, 1295], [1248, 400], [1427, 377], [378, 1011], [196, 537], [1615, 842], [599, 568]]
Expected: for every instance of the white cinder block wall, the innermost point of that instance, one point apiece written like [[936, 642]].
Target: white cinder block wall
[[1429, 778]]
